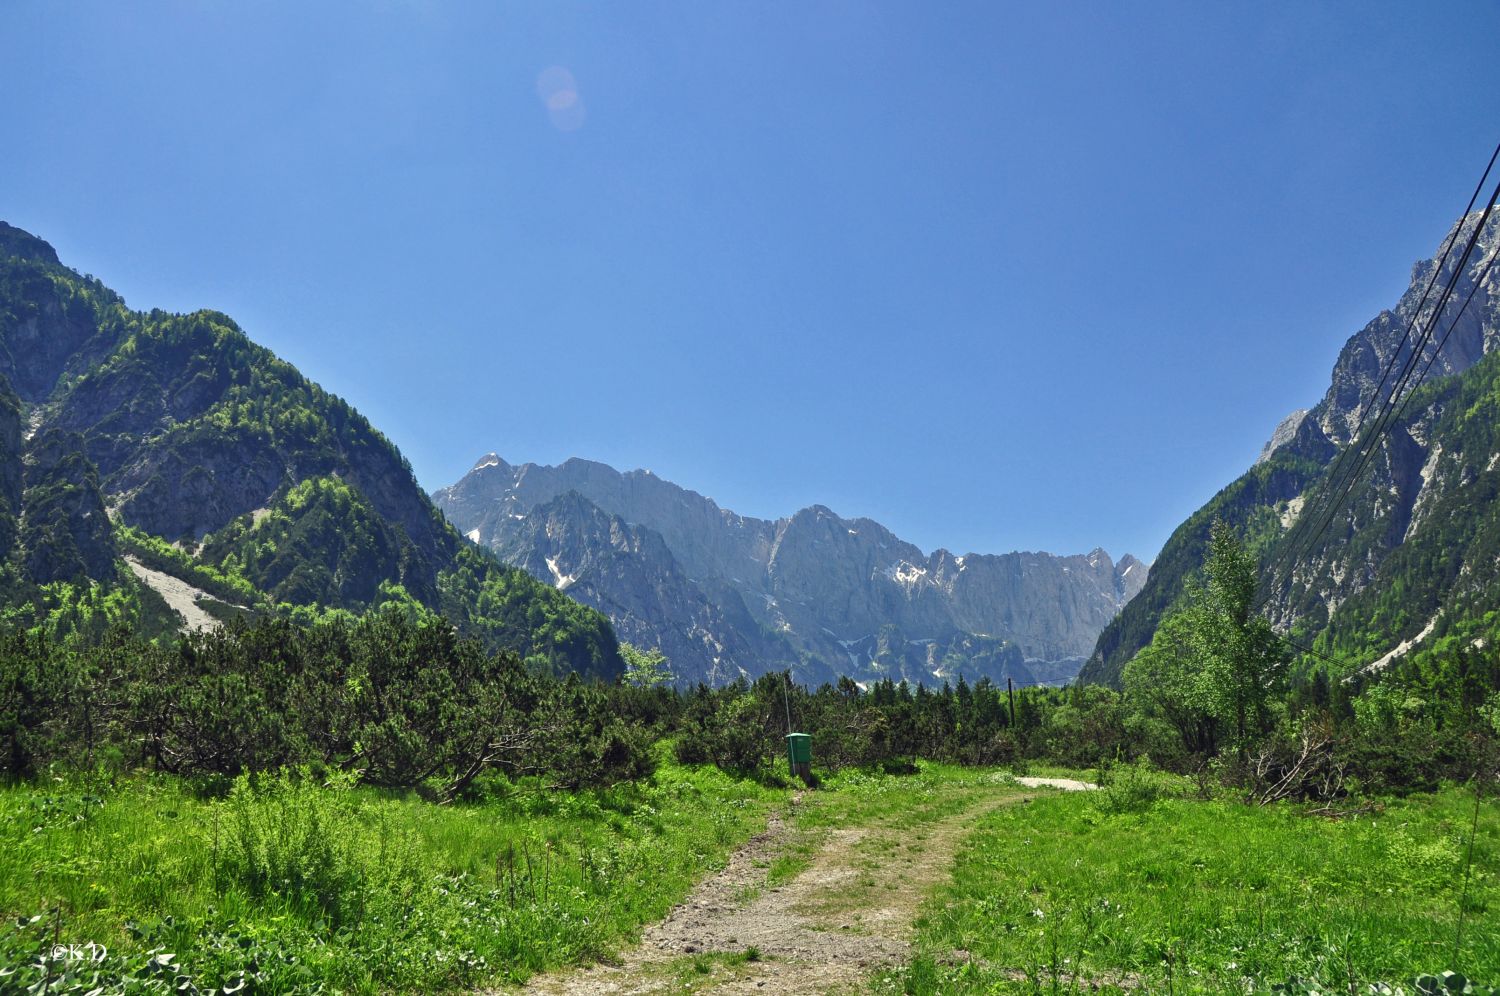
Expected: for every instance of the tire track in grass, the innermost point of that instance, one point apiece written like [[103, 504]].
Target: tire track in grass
[[847, 913]]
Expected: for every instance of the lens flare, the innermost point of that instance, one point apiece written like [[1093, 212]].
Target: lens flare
[[558, 91]]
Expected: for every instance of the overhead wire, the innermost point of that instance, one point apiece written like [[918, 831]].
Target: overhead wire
[[1339, 475], [1344, 459], [1352, 461], [1344, 456], [1369, 441], [1478, 281], [1325, 658]]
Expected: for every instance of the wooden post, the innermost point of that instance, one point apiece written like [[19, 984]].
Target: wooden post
[[1010, 692]]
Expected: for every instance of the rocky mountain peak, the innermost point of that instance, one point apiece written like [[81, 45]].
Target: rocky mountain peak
[[1360, 364], [1284, 432], [487, 461], [1434, 455], [814, 591], [21, 244], [1130, 577]]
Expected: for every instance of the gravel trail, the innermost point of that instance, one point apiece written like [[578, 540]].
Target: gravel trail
[[1066, 784], [847, 914]]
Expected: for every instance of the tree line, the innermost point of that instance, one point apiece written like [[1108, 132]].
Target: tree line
[[399, 699]]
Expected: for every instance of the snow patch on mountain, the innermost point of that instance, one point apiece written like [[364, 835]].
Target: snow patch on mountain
[[560, 580]]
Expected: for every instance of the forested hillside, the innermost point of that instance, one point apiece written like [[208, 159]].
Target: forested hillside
[[1408, 552], [175, 440]]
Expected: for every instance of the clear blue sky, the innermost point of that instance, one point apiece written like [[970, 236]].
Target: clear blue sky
[[1000, 275]]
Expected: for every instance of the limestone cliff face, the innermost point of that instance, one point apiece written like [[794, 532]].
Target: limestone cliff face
[[816, 592], [1284, 433], [1056, 601], [628, 573], [1361, 362], [1387, 534]]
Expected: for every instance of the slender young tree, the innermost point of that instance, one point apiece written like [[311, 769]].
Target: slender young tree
[[1214, 667], [645, 668], [1243, 662]]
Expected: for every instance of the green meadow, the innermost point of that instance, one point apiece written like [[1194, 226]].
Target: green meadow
[[1137, 890], [292, 883]]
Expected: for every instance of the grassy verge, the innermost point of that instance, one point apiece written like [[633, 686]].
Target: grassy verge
[[289, 884], [853, 797], [1070, 892], [936, 791]]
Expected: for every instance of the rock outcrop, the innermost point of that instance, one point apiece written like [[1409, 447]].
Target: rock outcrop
[[1330, 570], [1285, 432]]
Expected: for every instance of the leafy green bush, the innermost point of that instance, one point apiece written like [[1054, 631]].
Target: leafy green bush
[[736, 732], [1132, 787], [288, 836]]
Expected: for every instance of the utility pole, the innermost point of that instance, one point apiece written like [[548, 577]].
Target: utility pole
[[786, 697]]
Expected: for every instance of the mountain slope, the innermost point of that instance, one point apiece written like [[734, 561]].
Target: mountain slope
[[1413, 524], [182, 428], [627, 572], [814, 591]]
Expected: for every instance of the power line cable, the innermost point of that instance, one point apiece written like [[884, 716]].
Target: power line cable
[[1367, 442], [1479, 280], [1405, 402], [1287, 560], [1344, 459], [1370, 444], [1325, 658]]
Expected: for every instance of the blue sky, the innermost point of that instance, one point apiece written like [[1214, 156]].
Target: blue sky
[[1032, 275]]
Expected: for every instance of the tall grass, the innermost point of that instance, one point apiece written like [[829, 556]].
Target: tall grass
[[1148, 893], [291, 882]]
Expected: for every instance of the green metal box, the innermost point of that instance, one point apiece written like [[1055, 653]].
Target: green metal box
[[799, 748]]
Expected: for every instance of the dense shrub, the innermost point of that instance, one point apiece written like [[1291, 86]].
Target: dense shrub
[[395, 697], [296, 838], [401, 700]]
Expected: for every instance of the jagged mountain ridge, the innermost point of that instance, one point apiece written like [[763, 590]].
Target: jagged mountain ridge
[[183, 429], [627, 572], [1385, 538], [823, 594]]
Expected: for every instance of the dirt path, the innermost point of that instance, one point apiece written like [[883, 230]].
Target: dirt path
[[847, 913], [1066, 784]]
